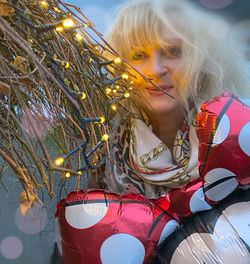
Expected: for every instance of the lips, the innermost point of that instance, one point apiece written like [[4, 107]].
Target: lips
[[155, 91]]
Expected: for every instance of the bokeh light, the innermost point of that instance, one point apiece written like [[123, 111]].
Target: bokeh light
[[216, 4], [219, 29], [11, 247], [33, 221]]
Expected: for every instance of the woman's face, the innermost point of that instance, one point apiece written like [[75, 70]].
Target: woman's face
[[160, 64]]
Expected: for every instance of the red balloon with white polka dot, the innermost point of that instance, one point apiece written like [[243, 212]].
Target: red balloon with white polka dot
[[108, 228], [223, 130]]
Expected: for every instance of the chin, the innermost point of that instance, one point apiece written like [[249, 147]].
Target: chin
[[162, 106]]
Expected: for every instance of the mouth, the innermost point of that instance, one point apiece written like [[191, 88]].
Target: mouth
[[155, 91]]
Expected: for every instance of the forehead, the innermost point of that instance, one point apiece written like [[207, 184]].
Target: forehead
[[165, 37], [170, 37]]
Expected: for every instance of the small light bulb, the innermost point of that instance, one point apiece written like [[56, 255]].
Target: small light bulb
[[79, 36], [59, 29], [59, 161], [68, 23], [114, 107], [90, 60], [114, 91], [67, 175], [83, 96], [131, 82], [85, 25], [105, 137], [117, 60], [67, 65], [102, 119], [44, 3], [117, 87], [126, 95], [57, 9], [125, 76], [130, 88], [108, 90]]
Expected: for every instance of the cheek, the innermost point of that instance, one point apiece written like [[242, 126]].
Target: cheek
[[138, 78]]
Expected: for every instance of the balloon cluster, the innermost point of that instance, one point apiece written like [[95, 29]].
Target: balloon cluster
[[104, 227]]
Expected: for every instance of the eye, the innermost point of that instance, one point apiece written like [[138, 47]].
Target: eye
[[173, 52], [139, 55]]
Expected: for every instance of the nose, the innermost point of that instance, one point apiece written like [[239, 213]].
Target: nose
[[156, 66]]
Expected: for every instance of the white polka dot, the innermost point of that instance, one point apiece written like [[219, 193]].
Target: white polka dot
[[245, 101], [220, 190], [122, 249], [222, 130], [33, 221], [11, 247], [239, 216], [244, 138], [216, 4], [197, 202], [169, 228], [85, 215]]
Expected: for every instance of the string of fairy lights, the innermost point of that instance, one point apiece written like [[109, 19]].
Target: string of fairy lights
[[113, 91]]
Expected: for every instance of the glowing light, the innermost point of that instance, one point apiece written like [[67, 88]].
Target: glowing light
[[114, 107], [83, 96], [117, 60], [31, 40], [117, 87], [59, 161], [131, 82], [105, 137], [125, 76], [68, 23], [67, 65], [102, 119], [108, 90], [90, 60], [85, 25], [126, 95], [79, 36], [44, 4], [57, 9], [59, 29], [67, 175], [130, 88], [114, 91]]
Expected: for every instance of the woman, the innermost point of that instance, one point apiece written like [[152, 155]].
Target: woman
[[154, 147]]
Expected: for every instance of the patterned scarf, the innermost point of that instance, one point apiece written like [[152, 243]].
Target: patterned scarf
[[141, 163]]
